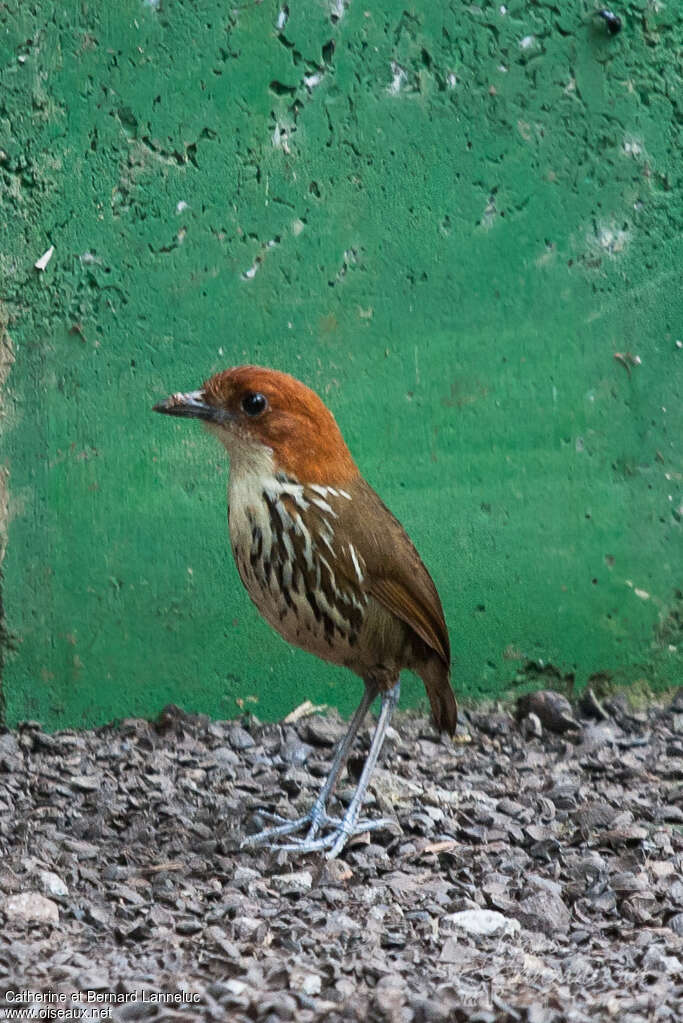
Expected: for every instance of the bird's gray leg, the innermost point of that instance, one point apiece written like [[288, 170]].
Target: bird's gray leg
[[317, 815], [350, 818], [341, 830], [318, 809]]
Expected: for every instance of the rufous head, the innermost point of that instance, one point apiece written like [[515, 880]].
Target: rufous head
[[250, 408]]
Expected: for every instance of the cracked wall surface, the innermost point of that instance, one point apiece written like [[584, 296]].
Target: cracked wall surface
[[459, 223]]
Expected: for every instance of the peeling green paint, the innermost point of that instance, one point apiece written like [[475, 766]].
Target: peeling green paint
[[460, 224]]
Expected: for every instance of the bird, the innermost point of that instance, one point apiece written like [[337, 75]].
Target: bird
[[327, 565]]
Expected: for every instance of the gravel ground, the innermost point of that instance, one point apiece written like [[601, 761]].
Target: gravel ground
[[535, 874]]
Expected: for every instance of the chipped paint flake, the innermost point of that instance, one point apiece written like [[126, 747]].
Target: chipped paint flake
[[631, 146], [612, 239], [249, 274], [41, 264], [283, 14], [399, 78], [280, 139], [488, 217], [338, 9], [608, 238], [310, 81]]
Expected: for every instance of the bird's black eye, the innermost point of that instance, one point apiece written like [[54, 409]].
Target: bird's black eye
[[254, 403]]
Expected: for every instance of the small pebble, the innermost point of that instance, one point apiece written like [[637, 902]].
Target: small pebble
[[483, 921], [31, 907]]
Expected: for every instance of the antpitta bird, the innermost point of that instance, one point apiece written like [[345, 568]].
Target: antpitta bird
[[326, 564]]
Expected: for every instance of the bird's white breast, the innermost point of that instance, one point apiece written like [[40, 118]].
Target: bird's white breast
[[283, 535]]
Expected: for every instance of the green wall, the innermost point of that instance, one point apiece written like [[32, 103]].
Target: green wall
[[446, 218]]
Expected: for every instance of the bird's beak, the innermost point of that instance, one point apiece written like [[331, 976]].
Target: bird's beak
[[192, 405]]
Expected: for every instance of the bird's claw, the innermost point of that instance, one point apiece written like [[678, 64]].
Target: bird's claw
[[313, 820], [336, 839], [340, 830], [277, 818]]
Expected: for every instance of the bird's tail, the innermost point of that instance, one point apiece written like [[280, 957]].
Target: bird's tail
[[437, 680]]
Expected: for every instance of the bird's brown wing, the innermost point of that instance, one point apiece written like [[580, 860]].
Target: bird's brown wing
[[410, 607], [396, 575]]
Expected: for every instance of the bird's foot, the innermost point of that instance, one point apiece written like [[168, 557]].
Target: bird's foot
[[337, 831], [313, 820], [334, 840]]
